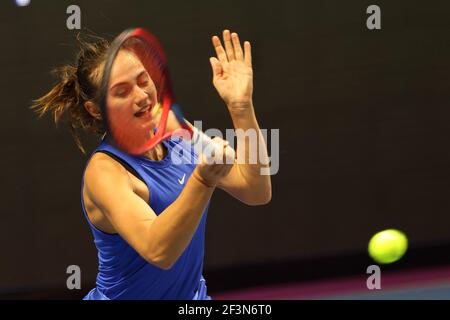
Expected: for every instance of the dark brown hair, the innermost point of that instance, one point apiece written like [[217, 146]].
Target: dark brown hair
[[77, 84]]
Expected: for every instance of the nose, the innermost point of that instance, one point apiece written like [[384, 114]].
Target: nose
[[142, 97]]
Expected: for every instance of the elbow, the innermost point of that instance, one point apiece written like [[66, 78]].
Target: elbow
[[262, 199], [165, 265], [161, 263], [265, 196], [265, 200], [160, 260]]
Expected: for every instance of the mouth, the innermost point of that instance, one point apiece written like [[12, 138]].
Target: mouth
[[144, 113]]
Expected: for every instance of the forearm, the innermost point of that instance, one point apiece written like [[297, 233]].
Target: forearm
[[250, 164], [173, 229]]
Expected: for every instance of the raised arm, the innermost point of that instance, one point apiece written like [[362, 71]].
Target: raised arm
[[233, 80]]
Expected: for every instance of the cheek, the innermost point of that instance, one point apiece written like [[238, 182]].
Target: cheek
[[151, 89], [119, 104]]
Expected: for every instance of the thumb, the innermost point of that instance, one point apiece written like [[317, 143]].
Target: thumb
[[216, 66]]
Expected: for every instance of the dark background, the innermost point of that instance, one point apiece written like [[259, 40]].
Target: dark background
[[363, 135]]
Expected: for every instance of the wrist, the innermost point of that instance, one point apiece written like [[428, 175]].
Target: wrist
[[197, 177], [240, 108]]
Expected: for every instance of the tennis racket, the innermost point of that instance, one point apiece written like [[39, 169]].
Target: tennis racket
[[136, 66]]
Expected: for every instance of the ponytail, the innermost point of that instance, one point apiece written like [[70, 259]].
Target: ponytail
[[77, 85]]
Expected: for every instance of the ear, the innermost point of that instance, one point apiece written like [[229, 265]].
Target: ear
[[93, 110]]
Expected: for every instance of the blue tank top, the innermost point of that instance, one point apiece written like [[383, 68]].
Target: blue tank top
[[122, 272]]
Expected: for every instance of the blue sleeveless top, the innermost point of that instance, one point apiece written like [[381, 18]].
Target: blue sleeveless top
[[122, 272]]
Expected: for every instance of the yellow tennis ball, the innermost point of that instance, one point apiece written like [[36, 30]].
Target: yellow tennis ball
[[388, 246]]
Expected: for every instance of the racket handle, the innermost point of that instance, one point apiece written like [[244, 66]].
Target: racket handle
[[204, 144]]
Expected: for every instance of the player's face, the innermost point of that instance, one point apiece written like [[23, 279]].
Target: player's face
[[132, 93]]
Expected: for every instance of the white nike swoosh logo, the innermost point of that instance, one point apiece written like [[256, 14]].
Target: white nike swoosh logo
[[182, 179]]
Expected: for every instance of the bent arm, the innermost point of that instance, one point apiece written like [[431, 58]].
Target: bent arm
[[245, 181], [159, 239]]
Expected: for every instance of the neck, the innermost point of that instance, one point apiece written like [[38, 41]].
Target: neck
[[157, 153]]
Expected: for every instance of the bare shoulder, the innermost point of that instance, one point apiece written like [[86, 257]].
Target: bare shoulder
[[100, 163], [105, 177], [113, 205], [103, 169]]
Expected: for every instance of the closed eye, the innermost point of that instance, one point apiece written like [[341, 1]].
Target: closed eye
[[121, 91], [143, 79], [143, 83]]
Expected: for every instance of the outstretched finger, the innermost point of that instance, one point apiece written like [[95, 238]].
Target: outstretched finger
[[247, 53], [220, 51], [237, 47], [228, 45]]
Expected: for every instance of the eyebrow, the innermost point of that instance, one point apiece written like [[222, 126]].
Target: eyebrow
[[126, 82]]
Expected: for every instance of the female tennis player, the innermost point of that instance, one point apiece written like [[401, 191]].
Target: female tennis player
[[146, 213]]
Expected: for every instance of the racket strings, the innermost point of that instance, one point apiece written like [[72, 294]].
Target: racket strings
[[154, 61], [130, 135]]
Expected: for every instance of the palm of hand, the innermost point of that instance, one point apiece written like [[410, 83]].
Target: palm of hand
[[232, 70]]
